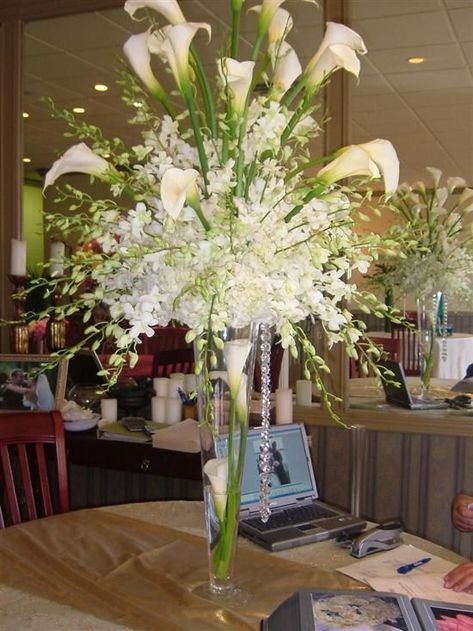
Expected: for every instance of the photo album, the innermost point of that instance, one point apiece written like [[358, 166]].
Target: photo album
[[358, 610]]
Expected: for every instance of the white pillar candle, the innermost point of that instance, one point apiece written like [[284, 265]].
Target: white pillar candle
[[174, 385], [173, 410], [109, 409], [158, 409], [190, 382], [283, 406], [177, 375], [161, 386], [303, 392], [18, 257], [56, 258]]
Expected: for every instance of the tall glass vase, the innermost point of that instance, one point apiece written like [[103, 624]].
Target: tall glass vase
[[428, 319], [225, 366]]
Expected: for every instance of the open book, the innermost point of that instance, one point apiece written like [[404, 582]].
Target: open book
[[326, 610]]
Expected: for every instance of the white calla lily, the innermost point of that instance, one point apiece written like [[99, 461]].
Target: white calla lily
[[383, 153], [172, 43], [351, 161], [280, 26], [236, 353], [339, 49], [242, 397], [137, 52], [77, 159], [216, 470], [455, 182], [238, 76], [287, 68], [176, 185], [169, 9]]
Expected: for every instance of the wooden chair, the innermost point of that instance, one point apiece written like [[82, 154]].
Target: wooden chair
[[391, 348], [30, 490], [175, 360], [165, 338], [408, 347]]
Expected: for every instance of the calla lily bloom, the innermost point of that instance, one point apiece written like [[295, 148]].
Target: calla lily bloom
[[384, 155], [287, 68], [236, 353], [77, 159], [216, 470], [280, 26], [338, 49], [173, 43], [238, 76], [351, 161], [176, 185], [267, 11], [137, 52], [242, 398], [170, 9]]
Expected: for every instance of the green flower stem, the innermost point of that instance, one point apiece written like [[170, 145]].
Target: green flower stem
[[428, 361], [197, 134], [288, 98], [235, 32], [315, 192], [295, 118], [257, 46], [206, 92], [308, 165], [161, 96]]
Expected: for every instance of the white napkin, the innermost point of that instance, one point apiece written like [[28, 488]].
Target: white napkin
[[183, 436], [71, 411]]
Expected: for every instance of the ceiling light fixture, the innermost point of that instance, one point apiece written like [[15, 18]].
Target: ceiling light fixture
[[78, 110], [26, 159], [137, 104], [25, 115], [416, 60], [100, 87]]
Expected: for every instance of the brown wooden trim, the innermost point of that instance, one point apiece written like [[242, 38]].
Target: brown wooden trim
[[40, 9]]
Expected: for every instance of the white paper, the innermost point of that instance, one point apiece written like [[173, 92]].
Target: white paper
[[380, 572]]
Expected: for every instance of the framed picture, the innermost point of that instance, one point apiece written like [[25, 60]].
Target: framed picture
[[22, 387]]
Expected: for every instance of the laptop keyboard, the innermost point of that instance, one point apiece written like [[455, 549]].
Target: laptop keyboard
[[290, 516]]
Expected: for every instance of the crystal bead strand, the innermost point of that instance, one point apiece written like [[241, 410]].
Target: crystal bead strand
[[444, 328], [265, 466]]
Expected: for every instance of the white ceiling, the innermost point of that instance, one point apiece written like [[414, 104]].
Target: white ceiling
[[425, 110]]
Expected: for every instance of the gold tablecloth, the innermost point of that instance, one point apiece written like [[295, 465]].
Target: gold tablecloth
[[91, 567]]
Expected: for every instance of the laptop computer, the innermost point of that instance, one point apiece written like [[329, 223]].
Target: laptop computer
[[397, 392], [297, 516]]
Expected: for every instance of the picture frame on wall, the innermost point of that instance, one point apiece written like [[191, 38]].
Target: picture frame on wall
[[23, 388]]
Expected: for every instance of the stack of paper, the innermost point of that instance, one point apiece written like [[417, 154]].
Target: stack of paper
[[380, 571], [183, 436]]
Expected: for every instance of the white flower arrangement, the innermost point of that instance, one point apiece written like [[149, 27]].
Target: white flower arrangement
[[434, 231], [213, 219]]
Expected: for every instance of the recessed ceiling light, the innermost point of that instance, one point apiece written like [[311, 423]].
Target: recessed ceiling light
[[100, 87], [105, 155], [26, 159], [78, 110], [137, 104], [416, 60], [25, 115]]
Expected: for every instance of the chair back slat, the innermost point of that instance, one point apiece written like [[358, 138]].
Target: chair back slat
[[408, 348], [44, 480], [391, 349], [32, 489], [26, 480], [175, 360]]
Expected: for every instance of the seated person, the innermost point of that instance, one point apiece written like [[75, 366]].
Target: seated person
[[460, 579]]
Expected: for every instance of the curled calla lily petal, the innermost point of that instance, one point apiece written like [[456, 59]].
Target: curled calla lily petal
[[172, 43], [287, 68], [383, 153], [236, 353], [267, 11], [216, 470], [351, 161], [279, 26], [242, 397], [339, 49], [238, 76], [137, 52], [175, 186], [169, 9], [455, 182], [436, 175], [77, 159]]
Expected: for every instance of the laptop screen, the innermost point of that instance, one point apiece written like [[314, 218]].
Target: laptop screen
[[396, 391], [292, 470]]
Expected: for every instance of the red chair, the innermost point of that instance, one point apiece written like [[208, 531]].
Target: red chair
[[277, 353], [165, 338], [28, 486], [176, 360], [408, 346], [391, 348]]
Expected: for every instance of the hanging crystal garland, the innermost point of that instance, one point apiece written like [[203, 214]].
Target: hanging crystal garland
[[265, 462], [444, 325]]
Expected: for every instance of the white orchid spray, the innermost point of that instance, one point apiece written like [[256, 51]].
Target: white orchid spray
[[213, 220]]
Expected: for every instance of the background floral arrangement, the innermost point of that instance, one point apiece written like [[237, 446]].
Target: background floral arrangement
[[434, 233], [214, 219]]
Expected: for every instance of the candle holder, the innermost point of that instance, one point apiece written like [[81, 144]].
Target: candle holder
[[19, 331], [56, 328]]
